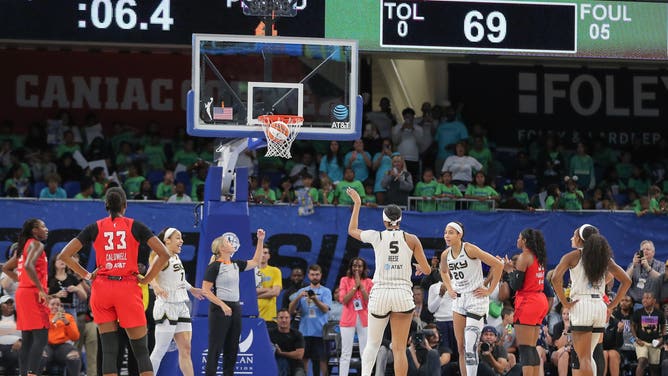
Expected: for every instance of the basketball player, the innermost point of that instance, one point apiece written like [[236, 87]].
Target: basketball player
[[461, 271], [28, 266], [588, 310], [391, 297], [527, 279], [116, 297], [170, 311]]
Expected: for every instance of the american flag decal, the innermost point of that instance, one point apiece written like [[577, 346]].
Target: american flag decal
[[222, 113]]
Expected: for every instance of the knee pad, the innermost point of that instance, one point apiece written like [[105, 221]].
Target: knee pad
[[529, 355], [471, 337], [140, 348], [109, 352]]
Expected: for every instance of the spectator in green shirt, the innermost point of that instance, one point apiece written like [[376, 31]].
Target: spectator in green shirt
[[87, 190], [447, 190], [132, 184], [68, 145], [482, 192], [155, 153], [639, 181], [572, 198], [553, 197], [582, 166], [166, 187], [426, 189], [481, 153], [340, 195], [654, 198], [187, 155], [264, 194], [99, 181]]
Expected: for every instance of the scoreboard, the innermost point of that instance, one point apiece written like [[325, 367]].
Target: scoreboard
[[591, 29], [551, 28]]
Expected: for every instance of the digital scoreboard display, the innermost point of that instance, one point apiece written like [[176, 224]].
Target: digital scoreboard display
[[551, 28], [595, 29], [147, 22]]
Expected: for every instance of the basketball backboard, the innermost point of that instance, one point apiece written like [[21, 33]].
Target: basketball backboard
[[237, 78]]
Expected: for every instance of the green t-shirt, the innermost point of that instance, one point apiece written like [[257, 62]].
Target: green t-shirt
[[654, 206], [340, 191], [164, 191], [549, 203], [329, 195], [133, 185], [62, 149], [186, 158], [265, 197], [427, 190], [156, 156], [98, 189], [80, 196], [447, 205], [476, 191], [640, 185], [522, 197], [483, 156], [571, 200]]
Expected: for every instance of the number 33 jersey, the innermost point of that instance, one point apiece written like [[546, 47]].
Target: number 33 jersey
[[465, 272], [393, 258]]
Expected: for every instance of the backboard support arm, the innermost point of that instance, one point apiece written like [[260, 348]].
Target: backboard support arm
[[226, 156]]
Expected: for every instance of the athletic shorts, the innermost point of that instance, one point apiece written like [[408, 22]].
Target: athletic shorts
[[121, 301], [467, 303], [30, 313], [174, 313], [530, 308], [172, 310], [588, 313], [383, 300]]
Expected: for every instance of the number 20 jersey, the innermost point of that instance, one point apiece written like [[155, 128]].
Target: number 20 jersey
[[465, 272], [393, 258]]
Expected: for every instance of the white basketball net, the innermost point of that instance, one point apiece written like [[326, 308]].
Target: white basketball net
[[280, 148]]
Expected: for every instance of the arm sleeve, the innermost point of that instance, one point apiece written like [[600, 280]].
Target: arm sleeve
[[212, 272], [88, 234], [141, 232], [434, 299], [242, 264]]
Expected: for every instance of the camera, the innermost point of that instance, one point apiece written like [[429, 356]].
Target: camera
[[484, 347], [310, 293], [418, 339], [641, 254]]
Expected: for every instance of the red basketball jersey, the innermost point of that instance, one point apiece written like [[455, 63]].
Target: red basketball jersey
[[534, 277], [115, 246], [41, 265]]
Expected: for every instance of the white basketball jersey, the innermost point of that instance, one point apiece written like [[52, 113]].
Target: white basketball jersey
[[580, 284], [465, 272], [173, 280], [393, 258]]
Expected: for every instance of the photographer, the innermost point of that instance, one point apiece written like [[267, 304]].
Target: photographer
[[644, 271], [423, 354], [493, 358], [63, 332]]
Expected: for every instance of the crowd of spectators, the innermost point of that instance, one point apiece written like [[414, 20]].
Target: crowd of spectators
[[434, 156]]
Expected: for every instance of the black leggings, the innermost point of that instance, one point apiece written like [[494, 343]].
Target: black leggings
[[32, 347], [224, 332]]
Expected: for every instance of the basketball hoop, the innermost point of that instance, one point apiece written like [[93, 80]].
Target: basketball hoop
[[281, 131]]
